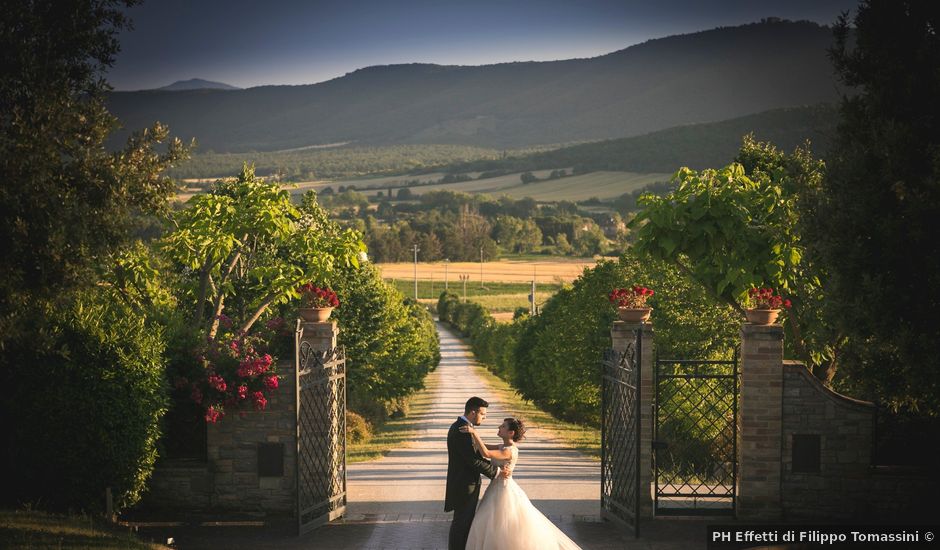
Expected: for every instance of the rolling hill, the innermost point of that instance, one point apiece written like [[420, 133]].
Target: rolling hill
[[197, 84], [679, 80]]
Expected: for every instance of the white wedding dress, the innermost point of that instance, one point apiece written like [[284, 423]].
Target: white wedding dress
[[507, 520]]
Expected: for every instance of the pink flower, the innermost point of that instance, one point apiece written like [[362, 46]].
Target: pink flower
[[260, 401], [242, 391], [213, 415], [197, 396], [217, 382], [271, 382]]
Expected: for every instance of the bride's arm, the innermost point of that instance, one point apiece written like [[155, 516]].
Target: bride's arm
[[488, 451]]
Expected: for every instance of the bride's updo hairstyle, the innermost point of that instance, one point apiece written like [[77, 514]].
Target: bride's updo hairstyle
[[517, 426]]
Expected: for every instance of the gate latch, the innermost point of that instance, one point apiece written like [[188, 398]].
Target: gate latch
[[660, 445]]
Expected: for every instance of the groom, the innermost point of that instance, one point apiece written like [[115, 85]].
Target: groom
[[464, 466]]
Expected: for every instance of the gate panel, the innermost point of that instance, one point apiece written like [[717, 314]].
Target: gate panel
[[695, 437], [321, 435], [620, 435]]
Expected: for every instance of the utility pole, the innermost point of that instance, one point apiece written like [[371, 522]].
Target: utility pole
[[446, 261], [464, 277], [416, 271], [532, 299], [532, 296]]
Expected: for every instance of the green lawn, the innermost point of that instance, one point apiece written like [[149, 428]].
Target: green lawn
[[433, 289], [27, 529], [586, 439]]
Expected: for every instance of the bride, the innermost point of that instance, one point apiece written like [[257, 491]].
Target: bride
[[505, 518]]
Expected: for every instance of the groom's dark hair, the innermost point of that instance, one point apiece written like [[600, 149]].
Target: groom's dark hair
[[474, 403]]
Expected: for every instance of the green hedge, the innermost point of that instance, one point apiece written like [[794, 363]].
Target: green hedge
[[391, 343], [85, 404], [553, 359]]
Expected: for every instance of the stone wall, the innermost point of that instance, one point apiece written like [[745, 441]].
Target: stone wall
[[826, 449], [234, 446], [232, 479], [826, 460]]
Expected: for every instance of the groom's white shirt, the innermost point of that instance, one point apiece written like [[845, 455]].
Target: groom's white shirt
[[499, 469]]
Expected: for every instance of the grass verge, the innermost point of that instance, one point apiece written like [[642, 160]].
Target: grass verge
[[28, 529], [586, 439], [395, 433]]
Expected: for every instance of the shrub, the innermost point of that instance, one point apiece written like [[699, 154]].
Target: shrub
[[558, 352], [391, 343], [357, 428], [85, 406]]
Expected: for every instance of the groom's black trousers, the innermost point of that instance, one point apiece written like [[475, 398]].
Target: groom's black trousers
[[463, 518]]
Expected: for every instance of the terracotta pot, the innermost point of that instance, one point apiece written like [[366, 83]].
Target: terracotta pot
[[634, 314], [315, 314], [761, 316]]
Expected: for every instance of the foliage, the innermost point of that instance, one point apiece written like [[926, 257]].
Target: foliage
[[875, 217], [357, 428], [695, 145], [739, 227], [559, 351], [68, 203], [89, 393], [390, 341], [338, 162], [553, 358], [244, 247]]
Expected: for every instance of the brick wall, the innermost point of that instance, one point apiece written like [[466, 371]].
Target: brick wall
[[826, 449], [229, 480]]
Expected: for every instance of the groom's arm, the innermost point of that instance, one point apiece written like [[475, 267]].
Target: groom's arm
[[463, 446]]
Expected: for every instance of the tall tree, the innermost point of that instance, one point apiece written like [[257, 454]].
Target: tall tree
[[877, 216], [67, 202]]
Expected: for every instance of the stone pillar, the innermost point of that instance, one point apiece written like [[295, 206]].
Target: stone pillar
[[621, 334], [321, 336], [760, 418]]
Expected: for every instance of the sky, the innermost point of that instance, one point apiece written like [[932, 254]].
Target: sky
[[252, 43]]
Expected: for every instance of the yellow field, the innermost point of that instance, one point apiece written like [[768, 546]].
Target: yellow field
[[555, 270]]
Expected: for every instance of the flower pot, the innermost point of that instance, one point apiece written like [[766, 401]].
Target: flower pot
[[634, 314], [761, 316], [315, 314]]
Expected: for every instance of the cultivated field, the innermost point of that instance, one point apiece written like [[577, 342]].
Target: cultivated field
[[601, 185], [505, 286], [554, 270]]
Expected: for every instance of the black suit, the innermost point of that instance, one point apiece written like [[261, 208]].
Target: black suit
[[464, 466]]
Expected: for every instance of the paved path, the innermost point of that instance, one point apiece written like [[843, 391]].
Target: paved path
[[558, 480], [397, 502]]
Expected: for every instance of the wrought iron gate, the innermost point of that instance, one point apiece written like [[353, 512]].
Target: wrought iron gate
[[620, 435], [321, 435], [695, 437]]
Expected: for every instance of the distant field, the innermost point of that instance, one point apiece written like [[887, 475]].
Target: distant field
[[554, 270], [602, 185], [506, 283], [496, 297]]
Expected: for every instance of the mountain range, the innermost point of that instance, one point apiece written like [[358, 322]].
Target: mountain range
[[701, 77], [197, 84]]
